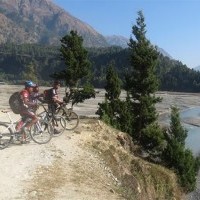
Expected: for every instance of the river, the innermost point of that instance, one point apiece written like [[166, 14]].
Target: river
[[192, 116]]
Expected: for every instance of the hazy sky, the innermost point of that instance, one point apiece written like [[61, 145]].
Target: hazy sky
[[173, 25]]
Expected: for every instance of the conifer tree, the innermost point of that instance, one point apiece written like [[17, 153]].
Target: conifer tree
[[113, 84], [177, 156], [77, 67], [108, 109], [141, 83]]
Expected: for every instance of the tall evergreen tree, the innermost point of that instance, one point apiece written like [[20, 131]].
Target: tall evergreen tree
[[141, 83], [113, 83], [176, 156], [77, 65], [108, 109]]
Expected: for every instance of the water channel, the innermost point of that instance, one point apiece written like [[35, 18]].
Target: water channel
[[191, 121], [193, 126]]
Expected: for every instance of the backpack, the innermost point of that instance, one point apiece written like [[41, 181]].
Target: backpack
[[15, 102], [48, 95]]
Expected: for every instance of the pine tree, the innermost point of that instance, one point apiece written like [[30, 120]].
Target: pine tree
[[75, 58], [109, 108], [176, 156], [77, 67], [113, 83], [141, 83]]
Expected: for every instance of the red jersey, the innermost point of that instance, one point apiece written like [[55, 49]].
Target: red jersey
[[24, 94]]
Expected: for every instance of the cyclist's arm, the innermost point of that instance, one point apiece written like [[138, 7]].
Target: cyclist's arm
[[57, 100], [28, 103]]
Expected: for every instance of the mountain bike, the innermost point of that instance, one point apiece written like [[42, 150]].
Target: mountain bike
[[41, 132], [58, 122]]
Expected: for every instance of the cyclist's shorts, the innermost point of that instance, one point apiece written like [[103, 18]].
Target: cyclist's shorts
[[28, 114]]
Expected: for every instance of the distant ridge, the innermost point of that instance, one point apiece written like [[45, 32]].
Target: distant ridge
[[197, 68], [164, 53], [116, 40], [41, 21]]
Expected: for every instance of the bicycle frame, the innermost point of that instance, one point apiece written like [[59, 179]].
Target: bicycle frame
[[11, 124], [41, 132], [45, 113]]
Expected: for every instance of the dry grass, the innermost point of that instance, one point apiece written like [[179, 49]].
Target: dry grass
[[138, 179]]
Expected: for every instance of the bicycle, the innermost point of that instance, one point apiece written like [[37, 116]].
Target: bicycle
[[40, 132], [58, 122]]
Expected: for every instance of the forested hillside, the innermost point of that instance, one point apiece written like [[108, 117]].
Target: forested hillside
[[39, 62]]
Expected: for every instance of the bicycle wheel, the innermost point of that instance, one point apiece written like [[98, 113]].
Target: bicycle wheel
[[59, 124], [72, 120], [6, 135], [41, 132]]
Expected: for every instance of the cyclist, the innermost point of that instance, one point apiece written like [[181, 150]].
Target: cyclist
[[36, 96], [54, 100], [28, 106]]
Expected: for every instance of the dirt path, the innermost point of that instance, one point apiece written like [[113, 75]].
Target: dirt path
[[62, 169]]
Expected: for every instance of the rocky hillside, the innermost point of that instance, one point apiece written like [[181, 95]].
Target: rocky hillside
[[41, 21]]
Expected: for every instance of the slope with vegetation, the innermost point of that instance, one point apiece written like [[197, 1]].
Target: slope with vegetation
[[135, 177], [137, 114]]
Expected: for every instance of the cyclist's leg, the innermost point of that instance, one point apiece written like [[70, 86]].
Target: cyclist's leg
[[28, 115], [52, 109], [20, 123], [32, 116]]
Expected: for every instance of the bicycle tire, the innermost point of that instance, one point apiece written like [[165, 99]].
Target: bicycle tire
[[44, 135], [59, 125], [72, 120], [6, 136]]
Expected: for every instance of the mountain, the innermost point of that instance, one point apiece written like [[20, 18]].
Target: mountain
[[41, 21], [197, 68], [116, 40], [164, 53]]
